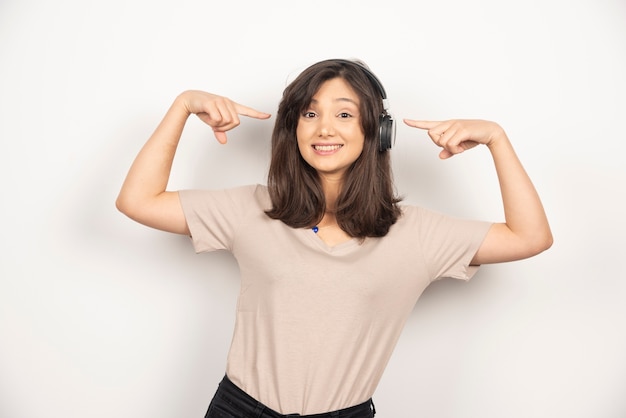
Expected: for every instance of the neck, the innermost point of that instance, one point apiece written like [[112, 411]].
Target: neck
[[332, 188], [328, 220]]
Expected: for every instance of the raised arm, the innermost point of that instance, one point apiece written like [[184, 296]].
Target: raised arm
[[143, 196], [526, 231]]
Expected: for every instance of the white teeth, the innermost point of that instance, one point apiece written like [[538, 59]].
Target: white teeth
[[326, 147]]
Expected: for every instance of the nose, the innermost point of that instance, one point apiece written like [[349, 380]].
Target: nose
[[326, 127]]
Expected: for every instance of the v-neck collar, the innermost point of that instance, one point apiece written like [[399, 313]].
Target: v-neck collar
[[337, 248]]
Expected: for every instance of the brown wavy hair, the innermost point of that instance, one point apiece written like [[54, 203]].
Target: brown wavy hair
[[367, 205]]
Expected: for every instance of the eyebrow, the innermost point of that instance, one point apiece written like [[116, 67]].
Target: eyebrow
[[340, 99]]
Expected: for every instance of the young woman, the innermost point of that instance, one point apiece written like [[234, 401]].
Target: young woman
[[331, 263]]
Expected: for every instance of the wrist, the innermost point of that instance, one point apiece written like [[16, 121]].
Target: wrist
[[182, 102], [498, 138]]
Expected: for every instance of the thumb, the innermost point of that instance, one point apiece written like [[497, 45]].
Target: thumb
[[221, 137]]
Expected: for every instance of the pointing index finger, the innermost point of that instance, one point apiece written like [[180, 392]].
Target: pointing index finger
[[250, 112], [421, 124]]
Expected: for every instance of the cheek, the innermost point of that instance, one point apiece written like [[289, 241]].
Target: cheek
[[358, 151], [303, 148], [303, 130], [359, 141], [303, 136]]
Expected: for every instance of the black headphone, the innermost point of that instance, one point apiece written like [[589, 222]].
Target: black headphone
[[386, 123]]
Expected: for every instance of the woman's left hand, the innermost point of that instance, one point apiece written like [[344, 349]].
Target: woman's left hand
[[458, 135]]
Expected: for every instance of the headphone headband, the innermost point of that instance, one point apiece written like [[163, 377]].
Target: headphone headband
[[372, 77]]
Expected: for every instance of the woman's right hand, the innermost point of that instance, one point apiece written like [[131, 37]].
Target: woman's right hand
[[220, 113], [143, 196]]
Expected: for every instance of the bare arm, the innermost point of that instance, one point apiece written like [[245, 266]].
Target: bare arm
[[143, 196], [526, 231]]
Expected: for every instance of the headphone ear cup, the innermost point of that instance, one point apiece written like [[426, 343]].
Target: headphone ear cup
[[387, 131]]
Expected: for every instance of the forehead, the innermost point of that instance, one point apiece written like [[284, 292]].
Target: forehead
[[336, 89]]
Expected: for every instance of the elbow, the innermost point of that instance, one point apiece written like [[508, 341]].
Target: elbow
[[549, 241], [541, 243], [123, 205], [130, 208], [531, 245], [119, 204]]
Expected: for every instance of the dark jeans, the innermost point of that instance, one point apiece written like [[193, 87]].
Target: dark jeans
[[232, 402]]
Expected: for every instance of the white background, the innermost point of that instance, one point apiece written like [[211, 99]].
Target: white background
[[102, 317]]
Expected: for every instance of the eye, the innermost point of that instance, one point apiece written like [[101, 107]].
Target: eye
[[345, 115], [309, 114]]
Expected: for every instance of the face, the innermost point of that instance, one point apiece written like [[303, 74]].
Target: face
[[330, 137]]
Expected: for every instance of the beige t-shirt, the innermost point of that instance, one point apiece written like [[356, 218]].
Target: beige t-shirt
[[316, 325]]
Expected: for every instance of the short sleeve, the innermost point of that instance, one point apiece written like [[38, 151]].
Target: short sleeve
[[449, 244], [214, 216]]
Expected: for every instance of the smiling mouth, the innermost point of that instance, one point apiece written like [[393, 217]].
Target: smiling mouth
[[326, 148]]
